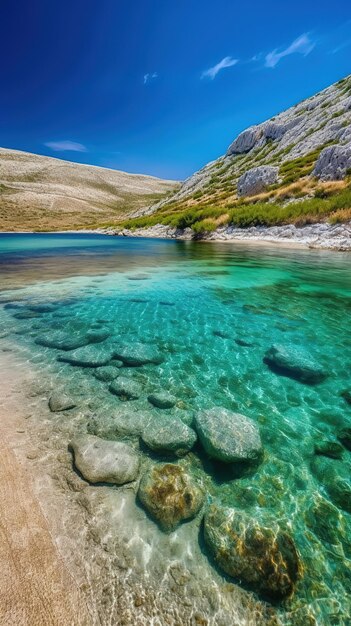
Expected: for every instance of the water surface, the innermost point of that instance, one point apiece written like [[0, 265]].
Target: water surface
[[213, 310]]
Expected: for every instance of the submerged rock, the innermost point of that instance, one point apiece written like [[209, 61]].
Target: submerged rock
[[170, 495], [262, 557], [334, 475], [42, 308], [295, 363], [105, 461], [106, 373], [227, 436], [168, 434], [59, 401], [88, 356], [331, 449], [346, 394], [344, 435], [125, 422], [137, 354], [162, 400], [257, 179], [62, 340], [126, 388]]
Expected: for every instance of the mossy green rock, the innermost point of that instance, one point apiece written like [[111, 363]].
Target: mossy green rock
[[296, 363], [228, 437], [170, 495], [263, 557]]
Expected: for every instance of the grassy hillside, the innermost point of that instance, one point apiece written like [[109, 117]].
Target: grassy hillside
[[42, 193], [292, 142]]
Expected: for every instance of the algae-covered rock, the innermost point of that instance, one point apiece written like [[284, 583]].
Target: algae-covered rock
[[296, 363], [60, 401], [106, 373], [168, 434], [344, 435], [346, 394], [170, 495], [331, 449], [105, 461], [126, 388], [162, 400], [228, 437], [136, 354], [88, 356], [334, 475], [263, 557]]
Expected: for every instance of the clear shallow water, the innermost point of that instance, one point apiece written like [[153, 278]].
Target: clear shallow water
[[198, 303]]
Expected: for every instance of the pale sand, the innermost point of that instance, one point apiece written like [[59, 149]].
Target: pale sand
[[36, 587]]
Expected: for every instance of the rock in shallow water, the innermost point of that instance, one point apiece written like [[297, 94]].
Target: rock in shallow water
[[106, 373], [334, 475], [105, 461], [126, 388], [60, 402], [88, 356], [296, 363], [64, 340], [170, 495], [228, 437], [137, 354], [168, 434], [262, 557], [344, 436], [162, 400]]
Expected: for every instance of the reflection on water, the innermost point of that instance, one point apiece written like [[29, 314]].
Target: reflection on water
[[212, 310]]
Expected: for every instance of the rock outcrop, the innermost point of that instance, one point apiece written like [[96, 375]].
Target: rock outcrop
[[257, 179], [333, 163]]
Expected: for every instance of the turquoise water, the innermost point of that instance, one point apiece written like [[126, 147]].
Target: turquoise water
[[213, 310]]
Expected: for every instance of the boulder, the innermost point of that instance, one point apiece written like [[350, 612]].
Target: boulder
[[245, 141], [228, 437], [333, 163], [263, 557], [88, 356], [170, 495], [126, 388], [137, 354], [59, 401], [124, 422], [168, 434], [62, 340], [162, 400], [105, 461], [106, 373], [296, 363], [257, 179]]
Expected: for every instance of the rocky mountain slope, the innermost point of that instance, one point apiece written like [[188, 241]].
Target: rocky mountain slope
[[43, 193], [292, 169]]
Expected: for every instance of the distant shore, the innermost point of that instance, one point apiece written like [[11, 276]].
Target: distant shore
[[321, 236]]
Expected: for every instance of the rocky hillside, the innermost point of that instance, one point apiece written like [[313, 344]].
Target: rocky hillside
[[293, 168], [42, 193]]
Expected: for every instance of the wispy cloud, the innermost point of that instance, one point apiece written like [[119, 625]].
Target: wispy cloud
[[303, 45], [66, 146], [149, 77], [213, 71]]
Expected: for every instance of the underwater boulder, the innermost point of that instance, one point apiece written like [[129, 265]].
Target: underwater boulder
[[334, 475], [228, 437], [62, 340], [344, 435], [170, 495], [106, 373], [137, 354], [124, 422], [162, 400], [296, 363], [168, 434], [99, 460], [88, 356], [126, 388], [346, 394], [96, 335], [59, 401], [331, 449], [263, 557]]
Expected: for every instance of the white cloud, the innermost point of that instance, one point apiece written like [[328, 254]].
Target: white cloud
[[302, 45], [150, 77], [213, 71], [66, 146]]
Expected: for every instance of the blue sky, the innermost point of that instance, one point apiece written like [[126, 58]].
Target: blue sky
[[159, 87]]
